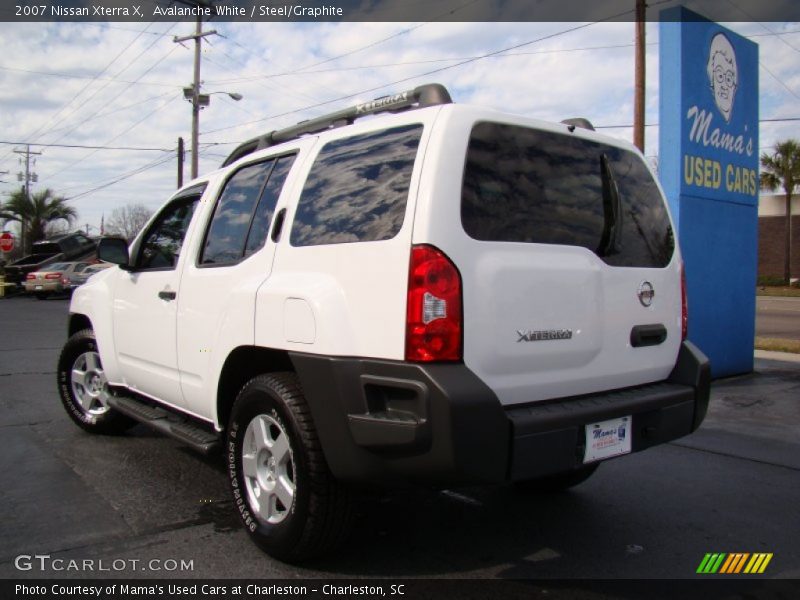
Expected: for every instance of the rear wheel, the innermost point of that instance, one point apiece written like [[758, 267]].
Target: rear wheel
[[559, 481], [282, 487], [83, 386]]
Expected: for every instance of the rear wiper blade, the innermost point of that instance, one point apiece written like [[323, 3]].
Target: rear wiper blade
[[611, 239]]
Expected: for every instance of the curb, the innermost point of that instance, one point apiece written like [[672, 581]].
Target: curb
[[781, 356]]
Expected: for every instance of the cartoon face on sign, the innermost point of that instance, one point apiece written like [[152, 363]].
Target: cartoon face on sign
[[723, 75]]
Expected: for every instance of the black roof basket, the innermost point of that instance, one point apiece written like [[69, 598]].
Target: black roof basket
[[420, 97]]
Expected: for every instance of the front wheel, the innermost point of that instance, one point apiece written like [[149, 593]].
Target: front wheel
[[83, 386], [283, 490]]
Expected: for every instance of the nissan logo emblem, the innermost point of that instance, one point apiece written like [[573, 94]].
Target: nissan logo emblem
[[646, 293]]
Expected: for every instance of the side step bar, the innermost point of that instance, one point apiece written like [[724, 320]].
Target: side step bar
[[167, 422]]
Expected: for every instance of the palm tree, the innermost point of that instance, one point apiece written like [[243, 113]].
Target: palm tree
[[782, 169], [35, 212]]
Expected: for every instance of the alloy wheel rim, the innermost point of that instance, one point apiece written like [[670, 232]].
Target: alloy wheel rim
[[89, 384], [268, 468]]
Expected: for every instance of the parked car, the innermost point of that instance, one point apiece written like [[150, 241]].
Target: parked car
[[54, 279], [60, 248], [442, 295], [72, 280]]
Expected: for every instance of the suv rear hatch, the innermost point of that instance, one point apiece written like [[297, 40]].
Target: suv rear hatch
[[570, 275]]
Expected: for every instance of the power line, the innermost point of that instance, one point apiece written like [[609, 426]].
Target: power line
[[83, 77], [104, 26], [83, 89], [160, 162], [88, 85], [116, 110], [123, 90], [93, 152], [117, 175], [775, 77], [428, 61], [302, 70], [776, 120], [272, 88], [88, 147], [431, 72]]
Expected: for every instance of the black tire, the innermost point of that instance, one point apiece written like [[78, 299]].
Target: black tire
[[96, 418], [559, 481], [321, 510]]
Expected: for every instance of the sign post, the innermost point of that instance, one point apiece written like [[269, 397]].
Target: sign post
[[708, 166]]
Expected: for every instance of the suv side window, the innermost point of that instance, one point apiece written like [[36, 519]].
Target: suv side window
[[357, 189], [161, 245], [244, 210]]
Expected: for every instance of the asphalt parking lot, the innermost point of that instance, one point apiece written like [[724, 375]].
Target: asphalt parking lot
[[733, 486]]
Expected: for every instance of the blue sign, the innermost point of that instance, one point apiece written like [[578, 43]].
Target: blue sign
[[708, 165]]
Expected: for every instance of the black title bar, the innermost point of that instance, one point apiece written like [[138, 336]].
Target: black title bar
[[384, 10]]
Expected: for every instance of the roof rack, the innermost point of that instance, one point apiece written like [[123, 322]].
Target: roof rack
[[430, 94], [578, 122]]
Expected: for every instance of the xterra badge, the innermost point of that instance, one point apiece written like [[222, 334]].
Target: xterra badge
[[541, 336]]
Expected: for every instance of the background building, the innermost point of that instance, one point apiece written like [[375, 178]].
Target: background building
[[772, 232]]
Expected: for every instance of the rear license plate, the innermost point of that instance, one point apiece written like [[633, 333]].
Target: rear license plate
[[607, 439], [38, 287]]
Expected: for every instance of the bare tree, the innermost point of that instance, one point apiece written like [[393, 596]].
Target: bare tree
[[127, 221]]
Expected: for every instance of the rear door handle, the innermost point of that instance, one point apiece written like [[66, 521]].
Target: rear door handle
[[167, 295], [648, 335]]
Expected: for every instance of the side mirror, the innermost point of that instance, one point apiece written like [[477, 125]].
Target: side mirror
[[114, 250]]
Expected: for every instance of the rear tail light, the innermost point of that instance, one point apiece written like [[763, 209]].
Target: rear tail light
[[684, 305], [30, 276], [433, 312], [53, 276]]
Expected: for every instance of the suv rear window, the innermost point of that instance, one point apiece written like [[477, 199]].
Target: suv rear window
[[357, 189], [527, 185]]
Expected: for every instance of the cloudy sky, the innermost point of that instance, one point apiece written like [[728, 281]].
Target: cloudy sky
[[119, 85]]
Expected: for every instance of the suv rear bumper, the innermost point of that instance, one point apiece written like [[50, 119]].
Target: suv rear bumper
[[395, 422]]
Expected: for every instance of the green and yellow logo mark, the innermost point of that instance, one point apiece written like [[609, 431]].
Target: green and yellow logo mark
[[734, 563]]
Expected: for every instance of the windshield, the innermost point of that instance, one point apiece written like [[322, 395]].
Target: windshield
[[528, 185]]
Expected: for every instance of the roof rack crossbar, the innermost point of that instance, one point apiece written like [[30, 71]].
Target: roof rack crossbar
[[425, 95]]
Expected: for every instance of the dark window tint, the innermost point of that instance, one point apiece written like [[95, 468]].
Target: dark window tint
[[161, 245], [70, 244], [46, 248], [524, 185], [244, 211], [266, 205], [233, 213], [357, 189]]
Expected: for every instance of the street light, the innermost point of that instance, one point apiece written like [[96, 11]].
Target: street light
[[200, 101]]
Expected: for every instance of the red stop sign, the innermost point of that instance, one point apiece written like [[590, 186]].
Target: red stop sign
[[6, 242]]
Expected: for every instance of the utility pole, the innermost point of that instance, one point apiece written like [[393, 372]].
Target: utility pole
[[181, 156], [27, 177], [638, 100], [193, 94]]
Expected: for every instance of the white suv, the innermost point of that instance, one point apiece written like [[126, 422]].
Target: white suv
[[442, 294]]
